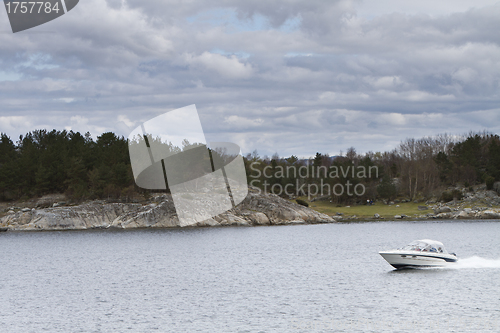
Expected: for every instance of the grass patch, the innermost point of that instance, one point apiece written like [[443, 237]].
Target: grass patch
[[364, 211]]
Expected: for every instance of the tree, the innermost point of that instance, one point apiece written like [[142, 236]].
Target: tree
[[350, 154], [76, 181], [445, 167], [9, 173], [489, 180], [318, 160], [493, 165], [292, 160], [42, 179], [387, 189]]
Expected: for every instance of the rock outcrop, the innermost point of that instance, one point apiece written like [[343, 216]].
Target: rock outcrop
[[489, 214], [443, 209], [256, 209], [475, 213]]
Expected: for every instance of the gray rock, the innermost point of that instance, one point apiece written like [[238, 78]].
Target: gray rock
[[376, 215], [465, 215], [24, 210], [489, 214], [491, 194], [479, 196], [443, 209], [256, 209], [423, 208], [48, 200], [496, 187], [398, 217]]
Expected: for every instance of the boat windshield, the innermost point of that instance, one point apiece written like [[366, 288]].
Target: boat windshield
[[425, 246]]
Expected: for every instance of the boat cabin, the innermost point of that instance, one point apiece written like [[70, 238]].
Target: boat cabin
[[425, 245]]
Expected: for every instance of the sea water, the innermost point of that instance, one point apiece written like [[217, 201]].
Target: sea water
[[297, 278]]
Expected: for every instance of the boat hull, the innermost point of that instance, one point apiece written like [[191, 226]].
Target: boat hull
[[414, 259]]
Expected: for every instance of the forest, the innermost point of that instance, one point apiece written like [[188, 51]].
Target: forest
[[44, 162]]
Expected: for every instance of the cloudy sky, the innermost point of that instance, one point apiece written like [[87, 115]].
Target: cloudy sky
[[285, 76]]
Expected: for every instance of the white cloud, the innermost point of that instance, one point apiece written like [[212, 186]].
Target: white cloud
[[126, 120], [9, 76], [385, 82], [372, 9], [288, 76], [238, 122], [465, 75], [65, 99], [14, 123], [397, 119], [226, 66]]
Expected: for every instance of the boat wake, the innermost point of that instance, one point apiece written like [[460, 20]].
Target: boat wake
[[475, 262]]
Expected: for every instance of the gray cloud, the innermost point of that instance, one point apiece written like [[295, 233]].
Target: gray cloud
[[288, 76]]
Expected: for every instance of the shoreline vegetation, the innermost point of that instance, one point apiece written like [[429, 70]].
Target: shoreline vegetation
[[488, 207], [440, 177], [257, 209], [45, 162]]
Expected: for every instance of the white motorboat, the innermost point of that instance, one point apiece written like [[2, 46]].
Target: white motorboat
[[419, 253]]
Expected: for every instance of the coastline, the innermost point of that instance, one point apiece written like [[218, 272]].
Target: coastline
[[256, 209]]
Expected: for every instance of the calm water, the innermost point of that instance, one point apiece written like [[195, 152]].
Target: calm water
[[307, 278]]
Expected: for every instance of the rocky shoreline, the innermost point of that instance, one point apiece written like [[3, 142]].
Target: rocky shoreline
[[481, 213], [256, 209], [481, 204]]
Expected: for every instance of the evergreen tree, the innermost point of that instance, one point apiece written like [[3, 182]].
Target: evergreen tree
[[9, 175], [386, 189]]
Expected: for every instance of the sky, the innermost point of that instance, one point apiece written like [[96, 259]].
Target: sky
[[285, 76]]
